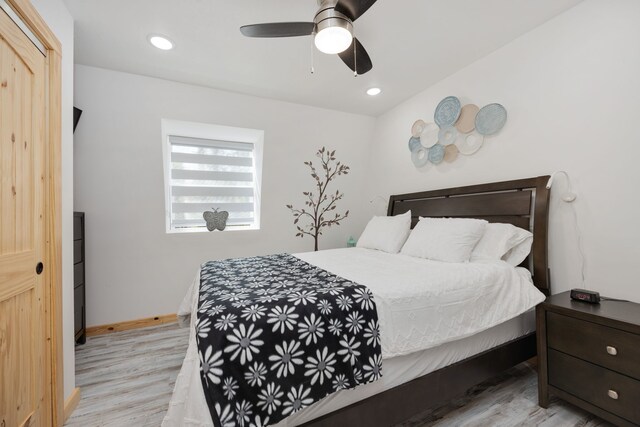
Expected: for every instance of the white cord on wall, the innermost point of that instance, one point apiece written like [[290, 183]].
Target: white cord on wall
[[580, 248], [570, 197]]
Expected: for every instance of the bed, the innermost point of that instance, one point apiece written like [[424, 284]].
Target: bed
[[423, 364]]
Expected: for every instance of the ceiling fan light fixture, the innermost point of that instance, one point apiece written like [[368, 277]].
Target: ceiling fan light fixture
[[334, 32], [333, 40]]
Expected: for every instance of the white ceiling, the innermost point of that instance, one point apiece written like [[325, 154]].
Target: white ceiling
[[413, 44]]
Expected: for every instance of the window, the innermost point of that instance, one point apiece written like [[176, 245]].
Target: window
[[209, 167]]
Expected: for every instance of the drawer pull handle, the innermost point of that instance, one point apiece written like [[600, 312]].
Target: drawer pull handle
[[612, 350], [613, 394]]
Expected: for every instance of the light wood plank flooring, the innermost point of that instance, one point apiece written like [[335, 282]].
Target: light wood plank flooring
[[511, 399], [127, 378]]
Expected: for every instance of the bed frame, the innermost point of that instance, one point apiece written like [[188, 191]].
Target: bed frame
[[523, 203]]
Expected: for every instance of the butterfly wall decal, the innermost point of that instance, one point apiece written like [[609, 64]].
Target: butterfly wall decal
[[216, 220]]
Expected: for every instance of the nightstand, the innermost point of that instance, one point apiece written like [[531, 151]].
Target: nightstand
[[589, 355]]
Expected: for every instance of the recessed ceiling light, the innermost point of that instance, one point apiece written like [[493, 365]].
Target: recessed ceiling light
[[374, 91], [161, 42]]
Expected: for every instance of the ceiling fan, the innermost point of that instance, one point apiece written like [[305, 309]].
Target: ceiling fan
[[332, 28]]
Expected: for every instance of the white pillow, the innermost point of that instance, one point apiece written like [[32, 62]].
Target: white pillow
[[386, 233], [518, 253], [503, 241], [444, 239]]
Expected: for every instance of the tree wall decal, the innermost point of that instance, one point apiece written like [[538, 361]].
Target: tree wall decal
[[319, 211]]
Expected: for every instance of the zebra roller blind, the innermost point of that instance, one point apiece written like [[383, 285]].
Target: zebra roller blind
[[209, 174]]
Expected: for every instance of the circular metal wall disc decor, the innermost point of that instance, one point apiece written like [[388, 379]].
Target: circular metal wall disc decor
[[467, 121], [470, 143], [436, 154], [490, 119], [429, 136], [447, 135], [420, 157], [414, 143], [447, 111], [417, 128], [450, 153]]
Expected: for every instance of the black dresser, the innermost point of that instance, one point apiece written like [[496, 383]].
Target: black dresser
[[589, 355], [78, 278]]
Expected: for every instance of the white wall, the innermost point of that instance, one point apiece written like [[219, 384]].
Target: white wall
[[135, 269], [59, 20], [572, 92]]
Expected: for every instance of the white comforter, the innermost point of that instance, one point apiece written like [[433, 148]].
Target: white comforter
[[421, 304]]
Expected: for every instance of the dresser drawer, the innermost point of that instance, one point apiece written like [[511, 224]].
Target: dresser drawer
[[609, 347], [595, 384], [78, 274], [77, 227], [77, 251], [78, 295]]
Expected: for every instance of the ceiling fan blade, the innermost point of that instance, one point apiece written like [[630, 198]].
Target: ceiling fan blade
[[278, 29], [360, 58], [353, 9]]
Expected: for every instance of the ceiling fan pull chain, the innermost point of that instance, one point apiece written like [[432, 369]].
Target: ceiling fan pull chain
[[313, 70], [355, 55]]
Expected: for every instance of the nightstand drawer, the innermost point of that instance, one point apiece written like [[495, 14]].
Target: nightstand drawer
[[613, 392], [609, 347]]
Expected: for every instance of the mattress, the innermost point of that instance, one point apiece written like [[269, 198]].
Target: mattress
[[432, 314]]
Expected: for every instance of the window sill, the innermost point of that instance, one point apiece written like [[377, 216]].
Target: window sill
[[204, 230]]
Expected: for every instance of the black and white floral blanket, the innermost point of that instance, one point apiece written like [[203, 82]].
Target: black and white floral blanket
[[276, 334]]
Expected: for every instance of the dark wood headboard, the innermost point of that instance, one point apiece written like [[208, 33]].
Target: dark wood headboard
[[523, 203]]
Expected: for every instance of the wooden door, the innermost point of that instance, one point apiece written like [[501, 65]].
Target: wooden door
[[25, 365]]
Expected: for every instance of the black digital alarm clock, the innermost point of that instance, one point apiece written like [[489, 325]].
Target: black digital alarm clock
[[585, 296]]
